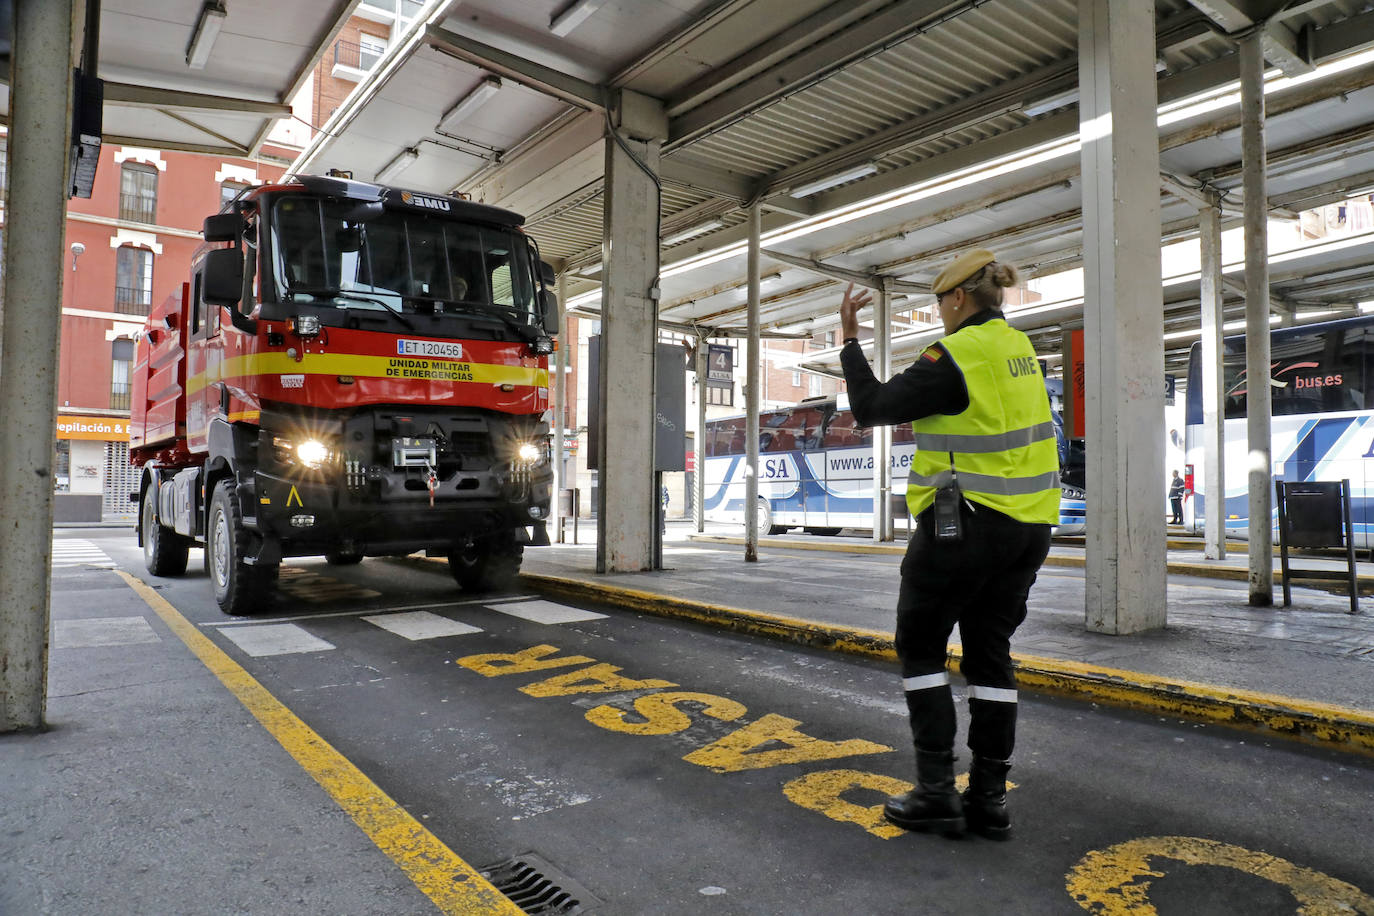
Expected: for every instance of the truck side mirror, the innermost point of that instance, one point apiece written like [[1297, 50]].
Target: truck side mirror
[[547, 274], [223, 277], [553, 322], [223, 227]]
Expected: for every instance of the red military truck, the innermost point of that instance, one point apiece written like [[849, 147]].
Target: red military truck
[[351, 370]]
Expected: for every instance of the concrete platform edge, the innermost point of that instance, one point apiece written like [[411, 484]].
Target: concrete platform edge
[[1309, 722]]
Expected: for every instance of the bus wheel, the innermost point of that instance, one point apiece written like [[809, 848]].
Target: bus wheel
[[239, 589], [164, 551], [823, 532], [765, 521]]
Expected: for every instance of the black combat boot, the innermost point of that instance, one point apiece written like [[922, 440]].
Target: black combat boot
[[985, 800], [933, 805]]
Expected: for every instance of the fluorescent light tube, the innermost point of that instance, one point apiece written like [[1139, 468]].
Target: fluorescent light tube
[[700, 229], [573, 15], [468, 104], [820, 184], [211, 19], [404, 160], [1054, 103]]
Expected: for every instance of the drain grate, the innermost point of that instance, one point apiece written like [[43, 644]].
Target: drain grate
[[534, 885]]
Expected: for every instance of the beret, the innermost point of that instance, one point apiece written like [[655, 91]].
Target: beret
[[960, 269]]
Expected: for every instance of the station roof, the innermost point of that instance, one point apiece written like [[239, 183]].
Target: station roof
[[935, 125]]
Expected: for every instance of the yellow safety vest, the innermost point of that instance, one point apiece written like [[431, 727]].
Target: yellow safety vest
[[1002, 446]]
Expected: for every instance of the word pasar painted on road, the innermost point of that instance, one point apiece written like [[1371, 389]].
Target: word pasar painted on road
[[769, 741]]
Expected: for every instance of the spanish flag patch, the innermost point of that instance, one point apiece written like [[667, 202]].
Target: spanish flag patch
[[932, 354]]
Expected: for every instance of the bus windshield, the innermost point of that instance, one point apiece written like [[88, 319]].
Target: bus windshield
[[400, 262]]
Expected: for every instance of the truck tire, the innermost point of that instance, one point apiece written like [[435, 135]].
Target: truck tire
[[239, 589], [485, 567], [164, 551], [338, 558]]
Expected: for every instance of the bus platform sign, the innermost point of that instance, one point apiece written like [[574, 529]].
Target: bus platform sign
[[720, 366]]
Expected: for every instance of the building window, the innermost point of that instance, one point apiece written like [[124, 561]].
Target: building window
[[370, 50], [229, 190], [62, 471], [133, 280], [817, 384], [138, 193], [796, 379], [122, 355]]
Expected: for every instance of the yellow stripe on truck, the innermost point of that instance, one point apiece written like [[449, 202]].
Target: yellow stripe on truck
[[398, 367]]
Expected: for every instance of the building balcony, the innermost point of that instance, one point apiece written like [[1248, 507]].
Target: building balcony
[[352, 61], [132, 300], [385, 10], [137, 209], [119, 396]]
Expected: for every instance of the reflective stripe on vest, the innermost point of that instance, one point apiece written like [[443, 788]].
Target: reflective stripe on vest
[[1003, 444]]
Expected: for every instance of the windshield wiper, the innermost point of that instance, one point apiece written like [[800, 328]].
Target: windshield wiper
[[335, 293], [522, 330]]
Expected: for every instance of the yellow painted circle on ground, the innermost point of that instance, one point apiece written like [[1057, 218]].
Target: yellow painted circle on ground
[[1115, 881]]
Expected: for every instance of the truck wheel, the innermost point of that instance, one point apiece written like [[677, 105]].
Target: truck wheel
[[337, 558], [164, 551], [239, 589], [484, 567]]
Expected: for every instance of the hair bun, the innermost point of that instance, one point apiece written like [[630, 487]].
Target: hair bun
[[1002, 274]]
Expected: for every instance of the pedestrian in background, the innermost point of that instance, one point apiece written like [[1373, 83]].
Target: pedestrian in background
[[984, 488], [1176, 489]]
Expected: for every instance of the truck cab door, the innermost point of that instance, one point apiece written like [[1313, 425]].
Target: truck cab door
[[204, 359]]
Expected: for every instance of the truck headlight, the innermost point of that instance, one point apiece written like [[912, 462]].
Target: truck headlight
[[312, 453], [528, 453]]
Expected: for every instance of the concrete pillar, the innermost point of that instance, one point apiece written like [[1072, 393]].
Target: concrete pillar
[[627, 499], [882, 435], [1123, 318], [1257, 404], [560, 403], [753, 375], [1213, 442], [39, 133], [699, 478]]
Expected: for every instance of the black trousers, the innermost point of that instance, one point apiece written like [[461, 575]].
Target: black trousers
[[979, 583], [1176, 506]]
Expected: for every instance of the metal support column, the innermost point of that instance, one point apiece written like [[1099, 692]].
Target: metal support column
[[1257, 406], [752, 376], [39, 135], [1213, 416], [882, 435], [703, 351], [627, 499], [560, 404], [1123, 318]]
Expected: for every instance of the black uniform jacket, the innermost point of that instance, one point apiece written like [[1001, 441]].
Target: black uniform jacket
[[931, 385]]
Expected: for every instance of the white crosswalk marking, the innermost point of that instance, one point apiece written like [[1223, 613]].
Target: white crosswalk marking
[[421, 625], [78, 552], [546, 612], [275, 639]]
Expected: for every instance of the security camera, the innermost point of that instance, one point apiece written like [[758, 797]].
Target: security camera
[[78, 249]]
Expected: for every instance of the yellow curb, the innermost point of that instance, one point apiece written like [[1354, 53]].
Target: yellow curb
[[1317, 723]]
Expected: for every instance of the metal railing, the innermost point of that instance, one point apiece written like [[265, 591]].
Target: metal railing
[[119, 396], [355, 56], [137, 208], [132, 300]]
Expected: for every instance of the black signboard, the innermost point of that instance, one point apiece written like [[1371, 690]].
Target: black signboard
[[1314, 514]]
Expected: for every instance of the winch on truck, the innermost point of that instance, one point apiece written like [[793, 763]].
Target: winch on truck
[[353, 371]]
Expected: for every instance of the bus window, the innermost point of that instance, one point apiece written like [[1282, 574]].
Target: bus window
[[844, 433]]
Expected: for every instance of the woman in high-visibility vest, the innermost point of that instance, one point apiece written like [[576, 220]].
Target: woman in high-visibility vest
[[984, 488]]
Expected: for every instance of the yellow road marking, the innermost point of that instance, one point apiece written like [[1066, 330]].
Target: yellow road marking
[[1115, 881], [451, 883]]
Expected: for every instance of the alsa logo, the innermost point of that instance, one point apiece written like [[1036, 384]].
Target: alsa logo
[[432, 203]]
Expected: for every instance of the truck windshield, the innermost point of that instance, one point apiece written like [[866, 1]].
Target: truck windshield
[[400, 262]]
